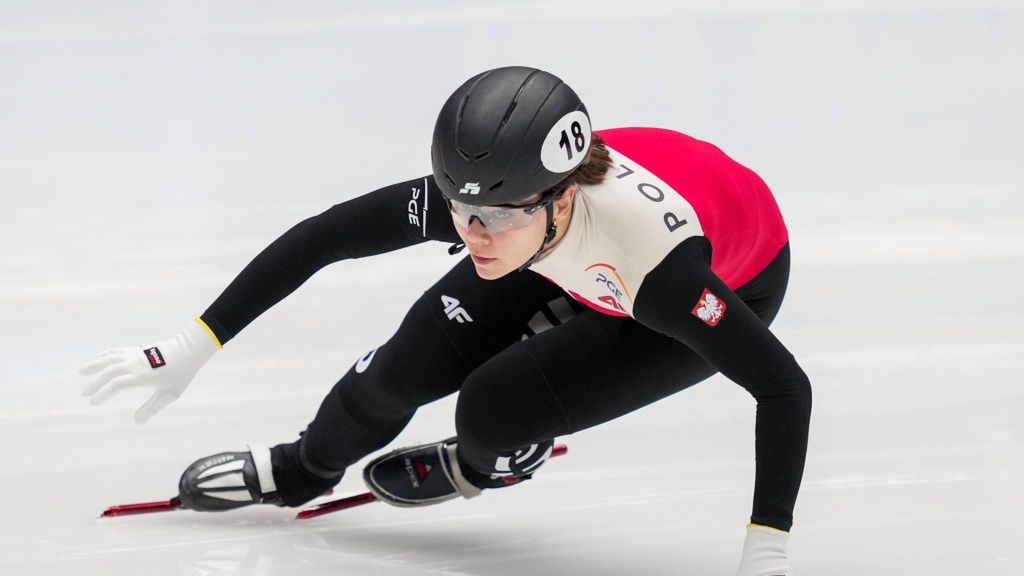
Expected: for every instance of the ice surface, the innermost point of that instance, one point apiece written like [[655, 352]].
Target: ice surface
[[149, 150]]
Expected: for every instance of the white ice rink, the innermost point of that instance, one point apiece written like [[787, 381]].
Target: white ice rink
[[148, 150]]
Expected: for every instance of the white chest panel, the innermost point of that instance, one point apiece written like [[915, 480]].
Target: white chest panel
[[620, 230]]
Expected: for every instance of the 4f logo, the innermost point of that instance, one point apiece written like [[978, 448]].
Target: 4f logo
[[454, 311], [470, 188]]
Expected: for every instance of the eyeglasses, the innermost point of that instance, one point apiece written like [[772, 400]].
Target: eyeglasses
[[501, 217]]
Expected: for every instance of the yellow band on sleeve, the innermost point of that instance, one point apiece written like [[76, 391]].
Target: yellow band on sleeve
[[212, 335], [751, 525]]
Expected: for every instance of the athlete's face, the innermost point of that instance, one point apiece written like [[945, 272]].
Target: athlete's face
[[497, 254]]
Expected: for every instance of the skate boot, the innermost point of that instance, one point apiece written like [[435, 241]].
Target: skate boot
[[426, 474], [229, 480]]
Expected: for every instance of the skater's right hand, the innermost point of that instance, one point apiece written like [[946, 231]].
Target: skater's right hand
[[167, 366]]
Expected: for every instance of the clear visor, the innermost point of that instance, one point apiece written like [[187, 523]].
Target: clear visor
[[496, 218]]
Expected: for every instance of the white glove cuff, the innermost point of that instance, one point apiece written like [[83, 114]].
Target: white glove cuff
[[765, 552], [199, 341]]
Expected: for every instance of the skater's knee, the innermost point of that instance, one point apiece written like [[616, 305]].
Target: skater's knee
[[416, 366], [505, 404], [482, 415]]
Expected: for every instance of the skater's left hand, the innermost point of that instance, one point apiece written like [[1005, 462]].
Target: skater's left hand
[[765, 552]]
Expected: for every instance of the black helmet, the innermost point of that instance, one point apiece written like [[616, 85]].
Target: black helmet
[[507, 134]]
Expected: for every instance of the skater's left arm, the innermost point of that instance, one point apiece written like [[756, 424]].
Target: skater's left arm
[[740, 345]]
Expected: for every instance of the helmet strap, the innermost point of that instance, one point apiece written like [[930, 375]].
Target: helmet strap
[[552, 231]]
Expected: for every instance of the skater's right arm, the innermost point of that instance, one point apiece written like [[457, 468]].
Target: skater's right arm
[[387, 219]]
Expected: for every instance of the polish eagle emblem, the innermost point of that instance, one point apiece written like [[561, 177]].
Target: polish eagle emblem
[[709, 308]]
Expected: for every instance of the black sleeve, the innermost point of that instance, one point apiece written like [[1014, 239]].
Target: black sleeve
[[387, 219], [742, 348]]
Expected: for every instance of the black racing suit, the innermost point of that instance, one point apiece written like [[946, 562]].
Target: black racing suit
[[529, 361]]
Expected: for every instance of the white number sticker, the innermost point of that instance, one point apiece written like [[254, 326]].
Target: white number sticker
[[567, 143]]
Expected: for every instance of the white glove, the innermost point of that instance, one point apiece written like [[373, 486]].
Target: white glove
[[168, 366], [765, 552]]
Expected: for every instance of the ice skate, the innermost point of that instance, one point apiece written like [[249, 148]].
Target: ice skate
[[229, 480], [424, 475]]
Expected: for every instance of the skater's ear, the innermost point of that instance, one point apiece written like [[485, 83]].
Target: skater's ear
[[563, 206]]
